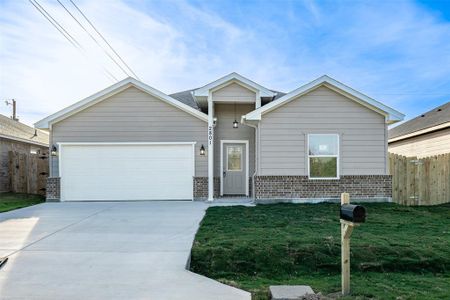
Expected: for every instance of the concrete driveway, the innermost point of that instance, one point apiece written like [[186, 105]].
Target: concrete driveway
[[135, 250]]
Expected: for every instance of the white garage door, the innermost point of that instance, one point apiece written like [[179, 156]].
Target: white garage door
[[126, 171]]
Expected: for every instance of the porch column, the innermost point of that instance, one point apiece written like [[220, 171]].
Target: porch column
[[210, 148]]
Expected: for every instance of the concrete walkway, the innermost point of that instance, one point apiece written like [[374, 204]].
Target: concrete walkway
[[135, 250]]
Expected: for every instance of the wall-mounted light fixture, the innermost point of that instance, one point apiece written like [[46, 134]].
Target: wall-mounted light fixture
[[54, 151], [214, 122], [202, 150], [235, 123]]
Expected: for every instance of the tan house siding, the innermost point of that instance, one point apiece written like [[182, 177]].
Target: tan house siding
[[283, 134], [224, 131], [429, 144], [234, 92], [133, 116]]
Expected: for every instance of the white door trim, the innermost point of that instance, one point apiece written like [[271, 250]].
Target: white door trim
[[246, 162]]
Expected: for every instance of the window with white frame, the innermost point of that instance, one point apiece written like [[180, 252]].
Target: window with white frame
[[323, 156]]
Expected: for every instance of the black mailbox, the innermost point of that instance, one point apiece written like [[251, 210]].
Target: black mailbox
[[353, 213]]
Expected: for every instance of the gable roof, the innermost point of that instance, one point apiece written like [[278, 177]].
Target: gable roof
[[233, 77], [112, 90], [188, 98], [15, 130], [391, 114], [429, 120]]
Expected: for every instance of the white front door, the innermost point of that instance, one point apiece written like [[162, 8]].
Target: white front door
[[234, 170], [103, 172]]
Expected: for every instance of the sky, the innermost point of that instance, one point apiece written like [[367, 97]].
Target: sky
[[397, 52]]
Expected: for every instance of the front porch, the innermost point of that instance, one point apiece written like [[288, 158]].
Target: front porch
[[231, 147]]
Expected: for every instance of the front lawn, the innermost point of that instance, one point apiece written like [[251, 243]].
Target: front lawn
[[399, 253], [10, 201]]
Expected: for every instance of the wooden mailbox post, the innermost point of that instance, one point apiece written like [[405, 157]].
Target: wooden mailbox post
[[356, 216]]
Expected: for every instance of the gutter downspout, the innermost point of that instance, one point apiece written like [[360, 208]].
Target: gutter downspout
[[256, 154]]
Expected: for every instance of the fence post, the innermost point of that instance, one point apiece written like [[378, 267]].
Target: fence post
[[345, 252]]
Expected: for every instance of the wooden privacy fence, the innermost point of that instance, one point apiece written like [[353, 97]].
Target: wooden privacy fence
[[423, 181], [28, 172]]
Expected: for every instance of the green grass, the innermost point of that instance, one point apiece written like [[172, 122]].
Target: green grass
[[10, 201], [399, 253]]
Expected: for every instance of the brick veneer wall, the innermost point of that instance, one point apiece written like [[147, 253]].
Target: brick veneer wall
[[201, 187], [300, 187], [53, 188]]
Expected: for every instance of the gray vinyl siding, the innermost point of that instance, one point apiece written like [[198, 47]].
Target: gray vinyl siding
[[283, 134], [224, 131], [133, 116], [234, 92]]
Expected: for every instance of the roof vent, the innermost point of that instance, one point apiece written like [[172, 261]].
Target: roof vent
[[422, 116], [439, 109]]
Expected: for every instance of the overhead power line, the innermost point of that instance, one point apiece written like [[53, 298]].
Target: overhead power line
[[104, 39], [93, 38], [55, 23], [66, 34]]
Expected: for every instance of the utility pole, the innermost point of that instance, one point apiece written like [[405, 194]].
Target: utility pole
[[13, 103]]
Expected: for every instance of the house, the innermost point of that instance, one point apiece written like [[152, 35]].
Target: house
[[425, 135], [21, 138], [230, 137]]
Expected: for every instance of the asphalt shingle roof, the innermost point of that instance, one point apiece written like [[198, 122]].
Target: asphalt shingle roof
[[17, 130], [278, 95], [186, 98], [434, 117]]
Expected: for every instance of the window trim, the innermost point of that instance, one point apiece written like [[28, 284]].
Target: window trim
[[240, 161], [328, 155]]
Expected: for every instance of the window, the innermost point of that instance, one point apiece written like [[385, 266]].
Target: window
[[323, 156], [234, 154]]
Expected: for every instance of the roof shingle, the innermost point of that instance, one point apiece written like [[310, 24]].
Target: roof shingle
[[434, 117], [16, 130], [186, 98]]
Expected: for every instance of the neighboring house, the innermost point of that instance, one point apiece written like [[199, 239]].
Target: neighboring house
[[229, 137], [18, 137], [425, 135]]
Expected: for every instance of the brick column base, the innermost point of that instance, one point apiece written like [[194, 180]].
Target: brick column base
[[53, 188], [201, 187]]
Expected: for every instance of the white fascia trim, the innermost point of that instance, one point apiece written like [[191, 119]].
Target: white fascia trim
[[391, 114], [110, 91], [419, 132], [233, 77]]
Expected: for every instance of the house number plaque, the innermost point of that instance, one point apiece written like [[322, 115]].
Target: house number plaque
[[210, 135]]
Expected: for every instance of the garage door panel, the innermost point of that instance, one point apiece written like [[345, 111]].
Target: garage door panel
[[127, 172]]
